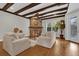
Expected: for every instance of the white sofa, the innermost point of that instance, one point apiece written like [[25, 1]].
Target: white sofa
[[47, 40], [15, 46]]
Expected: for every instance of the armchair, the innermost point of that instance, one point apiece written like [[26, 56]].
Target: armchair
[[15, 46], [47, 40]]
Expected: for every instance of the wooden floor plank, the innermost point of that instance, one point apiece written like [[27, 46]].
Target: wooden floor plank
[[60, 48]]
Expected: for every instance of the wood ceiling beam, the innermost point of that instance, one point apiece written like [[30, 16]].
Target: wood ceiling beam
[[56, 4], [27, 7], [7, 6], [52, 14], [53, 17]]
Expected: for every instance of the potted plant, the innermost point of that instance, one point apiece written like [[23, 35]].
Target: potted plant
[[61, 27]]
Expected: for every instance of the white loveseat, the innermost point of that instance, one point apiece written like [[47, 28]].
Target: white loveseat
[[47, 40], [15, 46]]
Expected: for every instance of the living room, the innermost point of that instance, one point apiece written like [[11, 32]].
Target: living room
[[37, 28]]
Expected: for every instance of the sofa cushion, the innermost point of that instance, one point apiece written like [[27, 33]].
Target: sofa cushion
[[48, 34], [21, 35], [15, 36], [12, 37]]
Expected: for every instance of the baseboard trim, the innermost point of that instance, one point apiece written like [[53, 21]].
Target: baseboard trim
[[73, 41]]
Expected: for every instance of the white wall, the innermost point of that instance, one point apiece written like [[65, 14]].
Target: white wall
[[73, 7], [9, 21], [52, 21], [73, 11]]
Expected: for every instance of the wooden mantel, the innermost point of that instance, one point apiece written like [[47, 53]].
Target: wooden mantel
[[35, 27]]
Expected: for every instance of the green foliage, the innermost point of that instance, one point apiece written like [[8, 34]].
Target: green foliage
[[55, 27]]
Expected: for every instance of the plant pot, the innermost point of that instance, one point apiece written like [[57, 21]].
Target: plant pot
[[61, 36]]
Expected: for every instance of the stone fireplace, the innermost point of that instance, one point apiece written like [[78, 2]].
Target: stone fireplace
[[35, 27]]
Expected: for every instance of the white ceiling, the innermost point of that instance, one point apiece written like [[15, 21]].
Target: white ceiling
[[48, 13], [47, 10], [52, 16], [54, 8], [2, 5], [36, 8], [55, 12], [17, 6], [30, 15]]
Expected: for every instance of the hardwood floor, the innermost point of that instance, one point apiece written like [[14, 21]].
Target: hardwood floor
[[60, 48]]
